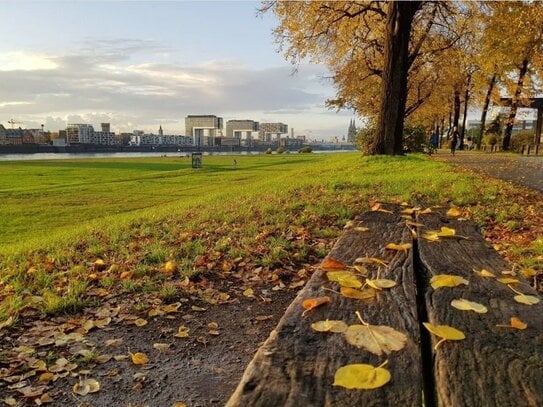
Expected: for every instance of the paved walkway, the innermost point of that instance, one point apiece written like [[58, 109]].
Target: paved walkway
[[522, 170]]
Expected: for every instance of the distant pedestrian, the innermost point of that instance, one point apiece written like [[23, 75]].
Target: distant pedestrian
[[434, 142], [234, 163], [454, 140]]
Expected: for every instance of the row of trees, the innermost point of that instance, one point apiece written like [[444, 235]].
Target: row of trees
[[421, 62]]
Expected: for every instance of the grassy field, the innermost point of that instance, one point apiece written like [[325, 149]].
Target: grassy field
[[57, 217]]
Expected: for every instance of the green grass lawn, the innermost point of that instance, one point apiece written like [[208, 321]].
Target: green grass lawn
[[58, 216], [42, 201]]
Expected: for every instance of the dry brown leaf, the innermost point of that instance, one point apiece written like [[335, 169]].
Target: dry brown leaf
[[182, 332], [330, 264], [381, 283], [140, 322], [454, 212], [516, 323], [370, 260], [161, 346]]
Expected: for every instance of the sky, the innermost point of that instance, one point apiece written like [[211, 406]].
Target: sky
[[145, 64]]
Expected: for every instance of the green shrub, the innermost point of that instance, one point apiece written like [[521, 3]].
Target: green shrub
[[414, 138], [305, 150], [522, 138], [269, 151], [490, 139], [280, 150], [364, 138]]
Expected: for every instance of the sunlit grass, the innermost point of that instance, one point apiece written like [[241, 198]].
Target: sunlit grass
[[58, 217]]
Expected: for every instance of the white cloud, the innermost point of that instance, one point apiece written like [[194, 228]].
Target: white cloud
[[24, 61], [104, 83]]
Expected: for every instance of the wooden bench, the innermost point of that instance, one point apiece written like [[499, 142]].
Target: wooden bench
[[492, 366]]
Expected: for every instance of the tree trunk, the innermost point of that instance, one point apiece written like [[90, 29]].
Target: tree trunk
[[389, 135], [514, 105], [466, 100], [456, 112], [485, 110]]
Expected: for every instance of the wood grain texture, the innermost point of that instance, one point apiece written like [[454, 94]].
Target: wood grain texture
[[296, 366], [493, 366]]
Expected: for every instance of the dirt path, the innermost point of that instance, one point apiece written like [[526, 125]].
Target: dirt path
[[520, 170]]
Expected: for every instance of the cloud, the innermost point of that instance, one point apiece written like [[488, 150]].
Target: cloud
[[126, 83]]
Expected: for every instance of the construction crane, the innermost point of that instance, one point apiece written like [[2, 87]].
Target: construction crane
[[12, 122]]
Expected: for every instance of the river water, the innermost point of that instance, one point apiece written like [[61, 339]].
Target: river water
[[64, 156]]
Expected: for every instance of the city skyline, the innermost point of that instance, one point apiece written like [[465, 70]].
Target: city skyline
[[141, 65]]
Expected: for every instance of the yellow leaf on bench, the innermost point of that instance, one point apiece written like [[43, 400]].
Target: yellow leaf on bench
[[526, 299], [370, 260], [465, 305], [357, 294], [444, 332], [484, 273], [377, 339], [381, 283], [394, 246], [344, 278], [361, 376], [447, 280], [329, 326]]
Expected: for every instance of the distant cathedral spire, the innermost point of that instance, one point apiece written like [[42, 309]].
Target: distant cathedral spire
[[351, 133], [160, 132]]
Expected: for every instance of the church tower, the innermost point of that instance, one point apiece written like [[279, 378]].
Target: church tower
[[160, 132], [351, 133]]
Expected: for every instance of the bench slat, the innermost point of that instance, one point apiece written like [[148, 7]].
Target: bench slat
[[493, 366], [296, 366]]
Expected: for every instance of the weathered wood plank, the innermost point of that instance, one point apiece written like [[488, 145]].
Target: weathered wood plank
[[493, 366], [296, 366]]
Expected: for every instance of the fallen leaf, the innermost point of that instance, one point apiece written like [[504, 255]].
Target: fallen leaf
[[526, 299], [484, 273], [171, 308], [515, 323], [182, 332], [425, 211], [161, 346], [508, 280], [249, 293], [361, 376], [398, 247], [381, 283], [377, 339], [139, 358], [370, 260], [454, 212], [114, 342], [213, 325], [465, 305], [140, 322], [377, 207], [357, 294], [344, 278], [361, 229], [199, 309], [170, 267], [46, 377], [330, 264], [447, 280], [329, 326], [444, 332], [312, 303], [527, 273], [86, 386], [179, 404], [10, 401]]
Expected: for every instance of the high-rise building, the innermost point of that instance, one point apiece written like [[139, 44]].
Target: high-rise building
[[203, 129], [79, 133], [269, 132], [241, 130]]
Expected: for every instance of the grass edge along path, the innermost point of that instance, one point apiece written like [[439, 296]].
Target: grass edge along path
[[275, 224]]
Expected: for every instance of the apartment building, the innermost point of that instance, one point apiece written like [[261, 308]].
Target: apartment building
[[79, 133], [271, 132], [203, 129]]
